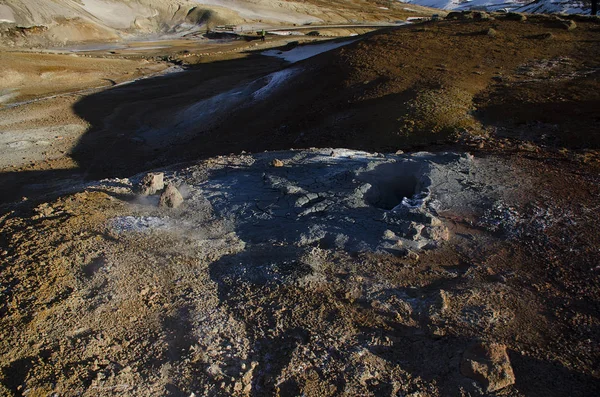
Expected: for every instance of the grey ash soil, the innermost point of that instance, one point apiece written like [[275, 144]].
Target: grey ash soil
[[244, 290]]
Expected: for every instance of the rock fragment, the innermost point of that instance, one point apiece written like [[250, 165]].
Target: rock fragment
[[171, 197], [412, 255], [568, 25], [152, 183], [488, 364], [277, 163]]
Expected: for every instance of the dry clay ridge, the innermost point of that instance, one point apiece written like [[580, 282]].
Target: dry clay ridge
[[45, 22]]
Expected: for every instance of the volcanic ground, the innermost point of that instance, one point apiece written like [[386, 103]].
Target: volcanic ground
[[413, 212]]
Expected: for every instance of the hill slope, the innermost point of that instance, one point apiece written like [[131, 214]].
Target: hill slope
[[415, 85], [31, 22]]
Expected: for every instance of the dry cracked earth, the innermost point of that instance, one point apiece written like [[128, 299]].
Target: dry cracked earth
[[465, 263]]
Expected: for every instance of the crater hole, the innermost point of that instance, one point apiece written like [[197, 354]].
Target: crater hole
[[390, 183]]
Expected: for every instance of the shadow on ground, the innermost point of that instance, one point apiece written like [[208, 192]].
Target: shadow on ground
[[109, 148]]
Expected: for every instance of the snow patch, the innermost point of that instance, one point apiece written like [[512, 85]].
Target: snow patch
[[286, 33], [301, 53], [539, 6], [274, 80], [211, 110]]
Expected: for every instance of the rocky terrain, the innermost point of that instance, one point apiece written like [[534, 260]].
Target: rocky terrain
[[408, 212]]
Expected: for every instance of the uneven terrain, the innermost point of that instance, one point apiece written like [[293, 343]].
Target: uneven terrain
[[424, 221]]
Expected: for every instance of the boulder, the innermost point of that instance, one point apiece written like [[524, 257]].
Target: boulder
[[488, 364], [277, 163]]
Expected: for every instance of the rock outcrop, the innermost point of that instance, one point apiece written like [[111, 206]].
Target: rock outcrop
[[488, 364]]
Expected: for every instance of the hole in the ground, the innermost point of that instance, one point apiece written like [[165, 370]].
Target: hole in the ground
[[390, 183]]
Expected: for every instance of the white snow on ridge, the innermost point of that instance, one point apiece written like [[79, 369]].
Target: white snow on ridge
[[539, 6], [459, 5], [555, 6]]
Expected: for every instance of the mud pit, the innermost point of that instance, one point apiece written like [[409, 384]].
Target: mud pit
[[332, 198]]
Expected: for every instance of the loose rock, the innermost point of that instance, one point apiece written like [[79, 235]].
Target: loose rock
[[277, 163], [569, 25], [171, 197], [152, 183]]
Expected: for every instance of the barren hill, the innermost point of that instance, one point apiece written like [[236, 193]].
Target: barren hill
[[32, 22]]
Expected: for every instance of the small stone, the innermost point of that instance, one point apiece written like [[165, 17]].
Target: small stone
[[488, 364], [399, 151], [171, 197], [247, 378], [277, 163], [389, 235], [152, 183], [569, 25], [412, 255], [546, 36]]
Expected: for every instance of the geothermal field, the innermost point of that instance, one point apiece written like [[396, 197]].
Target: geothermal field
[[299, 198]]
